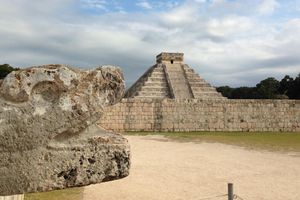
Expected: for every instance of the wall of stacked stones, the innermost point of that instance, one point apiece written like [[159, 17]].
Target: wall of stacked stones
[[202, 115]]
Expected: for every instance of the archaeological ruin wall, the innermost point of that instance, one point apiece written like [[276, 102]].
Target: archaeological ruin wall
[[202, 115]]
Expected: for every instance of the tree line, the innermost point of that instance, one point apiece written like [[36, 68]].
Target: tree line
[[5, 69], [270, 88]]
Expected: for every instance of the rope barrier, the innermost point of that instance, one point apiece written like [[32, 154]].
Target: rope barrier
[[223, 195], [206, 198], [230, 194], [237, 197]]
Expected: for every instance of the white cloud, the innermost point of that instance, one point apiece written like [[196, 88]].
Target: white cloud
[[218, 1], [267, 6], [94, 4], [180, 16], [230, 25], [168, 4], [144, 4], [201, 1]]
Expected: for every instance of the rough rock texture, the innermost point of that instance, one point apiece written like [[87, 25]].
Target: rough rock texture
[[48, 139]]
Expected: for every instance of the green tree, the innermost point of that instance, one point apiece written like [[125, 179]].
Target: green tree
[[286, 84], [225, 90], [5, 69], [244, 93], [268, 88], [294, 91]]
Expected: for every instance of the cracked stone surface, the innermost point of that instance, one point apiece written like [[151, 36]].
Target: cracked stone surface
[[48, 136]]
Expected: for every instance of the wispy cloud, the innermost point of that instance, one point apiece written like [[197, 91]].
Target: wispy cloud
[[94, 4], [168, 4], [267, 6], [144, 4]]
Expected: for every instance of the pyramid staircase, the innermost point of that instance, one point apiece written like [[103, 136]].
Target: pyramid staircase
[[170, 78], [152, 84], [199, 87]]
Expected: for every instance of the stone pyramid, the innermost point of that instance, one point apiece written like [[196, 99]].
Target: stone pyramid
[[171, 78]]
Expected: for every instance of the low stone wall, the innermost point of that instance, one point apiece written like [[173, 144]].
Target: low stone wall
[[202, 115]]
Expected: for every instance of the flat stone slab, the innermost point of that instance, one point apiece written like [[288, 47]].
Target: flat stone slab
[[48, 136]]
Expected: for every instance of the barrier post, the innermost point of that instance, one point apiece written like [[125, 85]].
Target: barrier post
[[230, 191]]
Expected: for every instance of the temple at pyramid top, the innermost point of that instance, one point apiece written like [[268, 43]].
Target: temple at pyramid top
[[171, 78], [169, 58]]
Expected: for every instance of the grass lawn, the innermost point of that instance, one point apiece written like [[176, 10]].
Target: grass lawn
[[274, 141], [66, 194]]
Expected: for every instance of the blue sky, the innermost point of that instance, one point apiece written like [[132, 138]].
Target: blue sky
[[103, 6], [228, 42]]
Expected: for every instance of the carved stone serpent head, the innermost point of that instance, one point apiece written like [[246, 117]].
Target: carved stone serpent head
[[48, 139]]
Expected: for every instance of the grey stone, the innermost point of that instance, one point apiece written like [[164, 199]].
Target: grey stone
[[48, 136]]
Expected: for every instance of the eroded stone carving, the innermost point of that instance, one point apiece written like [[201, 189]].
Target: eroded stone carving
[[48, 139]]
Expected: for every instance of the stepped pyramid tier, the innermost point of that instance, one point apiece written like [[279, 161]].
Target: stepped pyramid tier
[[171, 78]]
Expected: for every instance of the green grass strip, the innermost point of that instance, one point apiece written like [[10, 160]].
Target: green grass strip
[[66, 194], [278, 141]]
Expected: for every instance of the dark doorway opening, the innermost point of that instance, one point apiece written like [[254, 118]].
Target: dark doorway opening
[[172, 61]]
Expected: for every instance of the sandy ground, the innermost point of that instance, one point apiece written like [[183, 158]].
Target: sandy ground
[[163, 169]]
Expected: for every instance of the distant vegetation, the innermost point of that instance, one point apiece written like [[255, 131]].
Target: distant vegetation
[[5, 69], [270, 88]]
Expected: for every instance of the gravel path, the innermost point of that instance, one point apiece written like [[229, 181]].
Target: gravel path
[[167, 170]]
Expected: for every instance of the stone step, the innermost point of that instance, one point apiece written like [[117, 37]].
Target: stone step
[[198, 80], [151, 93], [189, 70], [157, 76], [158, 69], [180, 90], [157, 72], [209, 97], [138, 85], [143, 79], [156, 84], [150, 97], [207, 94], [205, 89], [175, 73], [199, 84], [178, 78], [179, 81], [154, 89], [159, 79], [192, 76]]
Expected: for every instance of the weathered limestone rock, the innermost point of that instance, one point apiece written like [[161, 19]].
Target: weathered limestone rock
[[48, 139]]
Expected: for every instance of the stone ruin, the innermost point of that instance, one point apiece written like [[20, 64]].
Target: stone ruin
[[48, 136], [171, 78], [170, 96]]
